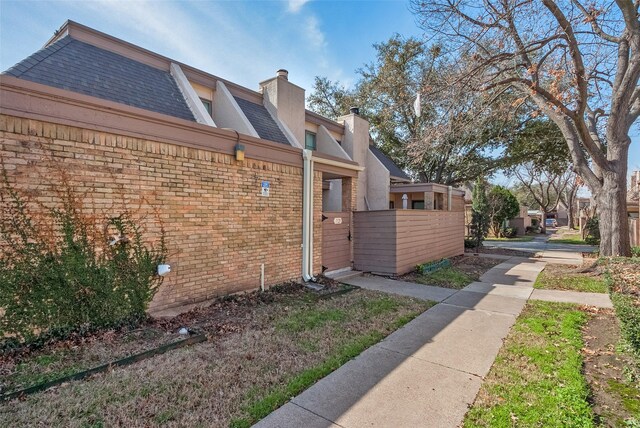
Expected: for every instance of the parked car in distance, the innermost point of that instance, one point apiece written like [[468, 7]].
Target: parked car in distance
[[551, 222]]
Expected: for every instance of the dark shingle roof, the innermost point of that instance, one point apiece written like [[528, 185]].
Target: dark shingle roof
[[394, 170], [80, 67], [262, 121]]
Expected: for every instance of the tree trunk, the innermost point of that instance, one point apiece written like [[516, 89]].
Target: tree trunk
[[612, 205], [571, 209], [570, 214]]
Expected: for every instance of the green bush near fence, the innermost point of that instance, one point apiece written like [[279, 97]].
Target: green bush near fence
[[628, 312], [70, 270], [623, 277], [592, 228]]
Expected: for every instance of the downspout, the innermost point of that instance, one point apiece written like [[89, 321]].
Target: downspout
[[307, 216]]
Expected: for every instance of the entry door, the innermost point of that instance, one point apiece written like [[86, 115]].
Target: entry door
[[336, 240]]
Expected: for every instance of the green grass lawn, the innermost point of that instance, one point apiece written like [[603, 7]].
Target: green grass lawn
[[567, 238], [536, 380], [518, 239], [560, 277]]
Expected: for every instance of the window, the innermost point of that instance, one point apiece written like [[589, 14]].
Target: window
[[207, 106], [309, 140], [417, 205]]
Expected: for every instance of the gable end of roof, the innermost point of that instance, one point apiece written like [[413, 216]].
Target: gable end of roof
[[393, 169]]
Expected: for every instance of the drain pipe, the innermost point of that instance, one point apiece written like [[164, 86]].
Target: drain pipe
[[307, 216]]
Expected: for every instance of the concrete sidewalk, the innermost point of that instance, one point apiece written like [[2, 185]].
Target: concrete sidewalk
[[427, 373]]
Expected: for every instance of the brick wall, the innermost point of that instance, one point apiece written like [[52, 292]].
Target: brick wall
[[218, 229]]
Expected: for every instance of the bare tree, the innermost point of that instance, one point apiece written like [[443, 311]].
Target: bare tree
[[544, 186], [579, 63], [569, 198], [457, 134]]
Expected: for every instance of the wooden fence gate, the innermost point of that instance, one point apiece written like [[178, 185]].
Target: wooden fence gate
[[336, 240]]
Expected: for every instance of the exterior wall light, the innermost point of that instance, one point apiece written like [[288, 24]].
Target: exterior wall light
[[163, 270], [239, 152]]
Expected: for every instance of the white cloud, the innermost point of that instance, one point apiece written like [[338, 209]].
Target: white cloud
[[156, 20], [294, 6], [314, 34]]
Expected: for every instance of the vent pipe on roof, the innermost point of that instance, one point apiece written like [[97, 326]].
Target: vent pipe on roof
[[355, 110], [283, 73]]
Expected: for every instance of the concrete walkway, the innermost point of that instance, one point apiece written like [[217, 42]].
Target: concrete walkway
[[546, 250], [427, 373]]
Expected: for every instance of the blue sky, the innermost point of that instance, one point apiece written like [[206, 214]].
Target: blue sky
[[241, 41]]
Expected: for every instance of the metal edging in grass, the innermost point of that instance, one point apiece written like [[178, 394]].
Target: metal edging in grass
[[196, 338], [434, 266], [347, 289]]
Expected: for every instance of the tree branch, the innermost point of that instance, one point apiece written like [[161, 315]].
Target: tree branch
[[591, 19]]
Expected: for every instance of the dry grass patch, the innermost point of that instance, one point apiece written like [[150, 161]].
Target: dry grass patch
[[611, 371], [585, 278], [499, 251], [463, 271], [63, 358], [262, 350]]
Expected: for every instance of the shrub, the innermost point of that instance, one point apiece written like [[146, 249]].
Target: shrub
[[479, 214], [469, 243], [509, 232], [623, 278], [503, 206], [532, 229], [635, 252], [628, 312], [592, 228], [535, 223], [68, 270]]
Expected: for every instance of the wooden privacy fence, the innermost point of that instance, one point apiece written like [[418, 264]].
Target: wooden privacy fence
[[395, 241]]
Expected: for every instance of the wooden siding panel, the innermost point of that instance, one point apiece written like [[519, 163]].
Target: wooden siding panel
[[395, 241]]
